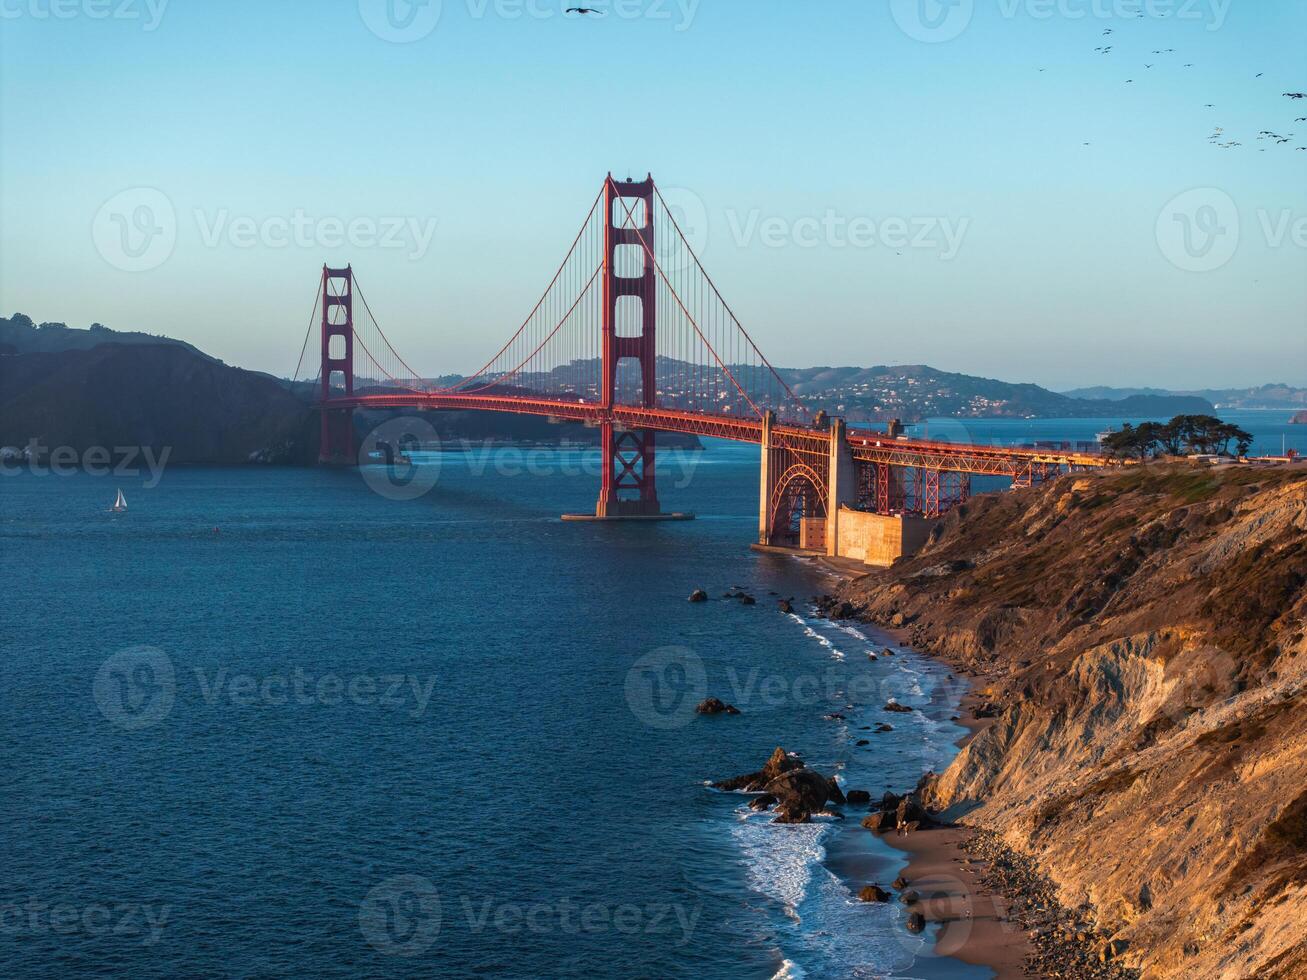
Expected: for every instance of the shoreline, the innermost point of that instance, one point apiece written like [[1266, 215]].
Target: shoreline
[[968, 919]]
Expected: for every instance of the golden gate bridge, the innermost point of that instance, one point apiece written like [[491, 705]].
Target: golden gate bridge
[[632, 336]]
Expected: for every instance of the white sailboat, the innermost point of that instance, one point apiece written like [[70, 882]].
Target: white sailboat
[[120, 503]]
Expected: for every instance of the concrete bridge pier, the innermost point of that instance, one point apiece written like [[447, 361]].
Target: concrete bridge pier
[[841, 484]]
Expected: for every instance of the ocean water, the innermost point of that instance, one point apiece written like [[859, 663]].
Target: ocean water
[[283, 722]]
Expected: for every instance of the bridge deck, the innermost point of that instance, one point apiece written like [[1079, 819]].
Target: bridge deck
[[866, 445]]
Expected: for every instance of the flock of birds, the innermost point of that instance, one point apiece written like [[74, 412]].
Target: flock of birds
[[1219, 136]]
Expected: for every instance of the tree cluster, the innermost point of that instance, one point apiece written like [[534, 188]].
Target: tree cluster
[[1183, 435]]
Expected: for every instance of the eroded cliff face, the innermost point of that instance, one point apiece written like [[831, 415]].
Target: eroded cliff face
[[1140, 636]]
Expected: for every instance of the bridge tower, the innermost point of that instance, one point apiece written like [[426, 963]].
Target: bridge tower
[[337, 360], [628, 487]]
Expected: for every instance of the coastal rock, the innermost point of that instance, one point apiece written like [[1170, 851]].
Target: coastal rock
[[857, 797], [900, 883], [862, 741], [747, 600], [880, 821], [895, 706], [883, 727], [792, 812], [874, 893], [909, 896], [763, 802], [698, 595], [833, 792], [916, 922], [785, 606], [752, 782], [870, 655], [800, 787], [716, 706]]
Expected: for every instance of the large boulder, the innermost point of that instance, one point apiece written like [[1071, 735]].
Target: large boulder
[[698, 595], [755, 782], [856, 797], [874, 893], [716, 706], [801, 786], [833, 793]]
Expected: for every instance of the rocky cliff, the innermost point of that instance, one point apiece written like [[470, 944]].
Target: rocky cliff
[[1138, 639]]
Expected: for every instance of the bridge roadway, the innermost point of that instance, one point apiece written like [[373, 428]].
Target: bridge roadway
[[867, 446]]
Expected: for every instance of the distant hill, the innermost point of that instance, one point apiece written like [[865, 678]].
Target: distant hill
[[19, 335], [157, 395], [1263, 396], [916, 391]]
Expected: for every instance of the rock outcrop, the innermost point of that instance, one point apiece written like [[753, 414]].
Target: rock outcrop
[[796, 791]]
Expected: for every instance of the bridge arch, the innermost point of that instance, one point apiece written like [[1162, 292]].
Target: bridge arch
[[799, 493]]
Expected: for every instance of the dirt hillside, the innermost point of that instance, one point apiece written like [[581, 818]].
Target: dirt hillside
[[1138, 638]]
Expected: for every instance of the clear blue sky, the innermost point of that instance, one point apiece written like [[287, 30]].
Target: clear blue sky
[[499, 129]]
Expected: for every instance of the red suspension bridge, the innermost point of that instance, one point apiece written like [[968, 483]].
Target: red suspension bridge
[[632, 336]]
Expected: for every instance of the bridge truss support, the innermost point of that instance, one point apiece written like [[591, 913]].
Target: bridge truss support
[[796, 496], [337, 442]]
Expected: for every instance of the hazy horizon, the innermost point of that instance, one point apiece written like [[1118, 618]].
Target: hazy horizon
[[896, 184]]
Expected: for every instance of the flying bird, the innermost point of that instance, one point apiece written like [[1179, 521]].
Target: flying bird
[[1108, 31], [1295, 95], [1259, 74], [584, 10]]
